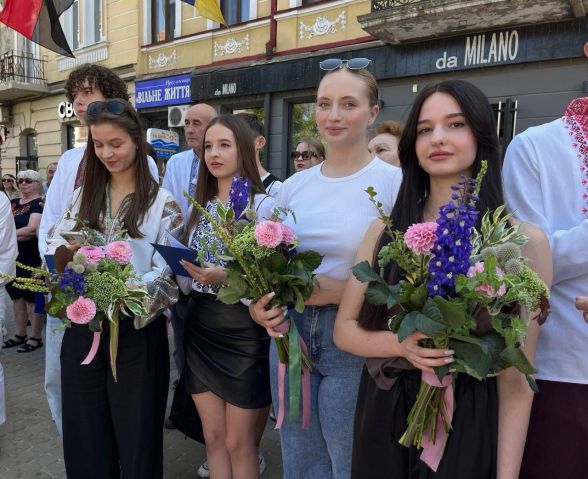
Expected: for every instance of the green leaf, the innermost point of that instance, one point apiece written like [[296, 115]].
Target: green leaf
[[472, 358], [453, 314], [299, 303], [378, 294], [408, 325], [532, 384], [418, 297], [441, 371], [429, 326], [365, 273], [135, 308], [516, 357], [395, 321], [310, 260]]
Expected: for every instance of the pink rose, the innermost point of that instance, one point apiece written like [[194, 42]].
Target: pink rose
[[421, 237], [81, 311], [268, 233], [93, 253], [485, 288], [119, 251], [287, 234]]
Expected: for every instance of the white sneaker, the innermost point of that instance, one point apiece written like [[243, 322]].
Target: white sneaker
[[203, 472]]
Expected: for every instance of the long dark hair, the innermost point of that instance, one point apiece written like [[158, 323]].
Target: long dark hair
[[96, 175], [415, 187], [207, 184]]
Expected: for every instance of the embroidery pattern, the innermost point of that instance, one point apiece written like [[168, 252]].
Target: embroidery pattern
[[575, 121]]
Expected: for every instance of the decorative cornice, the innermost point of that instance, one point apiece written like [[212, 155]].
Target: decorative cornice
[[322, 26], [93, 54], [231, 46], [162, 60]]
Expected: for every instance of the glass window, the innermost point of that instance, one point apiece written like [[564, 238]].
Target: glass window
[[235, 11], [76, 136], [83, 23], [163, 20]]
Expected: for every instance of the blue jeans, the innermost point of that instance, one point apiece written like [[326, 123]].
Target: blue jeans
[[53, 338], [323, 450]]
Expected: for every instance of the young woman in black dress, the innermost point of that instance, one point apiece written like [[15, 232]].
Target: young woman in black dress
[[450, 130]]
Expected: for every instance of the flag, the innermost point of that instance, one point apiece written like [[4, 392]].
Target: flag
[[208, 9], [38, 20]]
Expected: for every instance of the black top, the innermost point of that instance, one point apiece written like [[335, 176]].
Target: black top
[[28, 251]]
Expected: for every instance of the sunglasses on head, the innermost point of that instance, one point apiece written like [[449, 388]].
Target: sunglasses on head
[[115, 107], [306, 155], [331, 64], [28, 181], [7, 180]]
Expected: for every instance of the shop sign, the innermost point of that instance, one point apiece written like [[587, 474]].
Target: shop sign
[[163, 92], [226, 89], [65, 110], [165, 142]]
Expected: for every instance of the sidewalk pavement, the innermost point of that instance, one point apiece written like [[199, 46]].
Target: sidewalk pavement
[[30, 447]]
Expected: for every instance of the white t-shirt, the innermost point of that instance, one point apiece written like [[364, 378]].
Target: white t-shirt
[[333, 214], [181, 174], [543, 182]]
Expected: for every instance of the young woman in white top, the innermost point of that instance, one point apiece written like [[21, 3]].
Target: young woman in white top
[[332, 212], [227, 363], [115, 428]]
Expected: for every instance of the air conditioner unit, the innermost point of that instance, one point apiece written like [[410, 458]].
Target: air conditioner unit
[[4, 115], [176, 115]]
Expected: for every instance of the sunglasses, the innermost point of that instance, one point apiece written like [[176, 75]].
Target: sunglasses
[[331, 64], [7, 180], [28, 181], [115, 107], [306, 155]]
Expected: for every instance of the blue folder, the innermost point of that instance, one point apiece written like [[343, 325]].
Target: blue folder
[[173, 255]]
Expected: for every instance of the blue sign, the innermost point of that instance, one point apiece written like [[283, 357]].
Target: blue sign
[[165, 142], [163, 91]]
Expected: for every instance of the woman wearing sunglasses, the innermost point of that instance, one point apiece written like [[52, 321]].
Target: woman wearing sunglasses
[[27, 212], [115, 428], [10, 186], [309, 152], [333, 211]]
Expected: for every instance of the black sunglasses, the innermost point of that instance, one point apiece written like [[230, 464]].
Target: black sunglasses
[[7, 180], [115, 106], [306, 155], [331, 64], [28, 181]]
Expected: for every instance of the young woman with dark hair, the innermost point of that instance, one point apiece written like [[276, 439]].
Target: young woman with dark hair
[[226, 352], [333, 211], [450, 130], [115, 428]]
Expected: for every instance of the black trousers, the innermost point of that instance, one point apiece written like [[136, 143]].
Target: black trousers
[[115, 429]]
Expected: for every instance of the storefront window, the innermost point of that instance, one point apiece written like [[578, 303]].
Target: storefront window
[[76, 136], [302, 124], [506, 114]]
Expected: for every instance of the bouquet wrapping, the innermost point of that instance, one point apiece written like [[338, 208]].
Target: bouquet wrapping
[[469, 291], [260, 257]]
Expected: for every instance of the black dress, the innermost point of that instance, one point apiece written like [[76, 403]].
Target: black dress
[[28, 250], [380, 421], [227, 353]]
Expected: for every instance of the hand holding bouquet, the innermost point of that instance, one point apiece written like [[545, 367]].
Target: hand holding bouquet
[[260, 258], [468, 291]]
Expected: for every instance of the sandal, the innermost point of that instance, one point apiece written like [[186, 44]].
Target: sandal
[[27, 347], [11, 342]]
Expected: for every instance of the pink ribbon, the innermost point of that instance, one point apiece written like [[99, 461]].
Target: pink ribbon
[[93, 348], [306, 404], [433, 449]]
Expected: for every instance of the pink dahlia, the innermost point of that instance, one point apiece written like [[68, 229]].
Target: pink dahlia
[[485, 288], [421, 237], [268, 234], [81, 311], [287, 234], [93, 253], [119, 251]]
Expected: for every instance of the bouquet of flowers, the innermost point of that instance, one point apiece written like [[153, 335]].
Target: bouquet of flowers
[[260, 257], [92, 285], [469, 291]]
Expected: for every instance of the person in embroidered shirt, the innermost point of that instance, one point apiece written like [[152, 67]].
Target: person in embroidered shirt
[[546, 184], [84, 85]]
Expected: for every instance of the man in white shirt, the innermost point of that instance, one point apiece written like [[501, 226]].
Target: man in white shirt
[[85, 84], [8, 254], [546, 184]]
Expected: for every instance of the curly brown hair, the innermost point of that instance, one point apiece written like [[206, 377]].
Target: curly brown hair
[[102, 78]]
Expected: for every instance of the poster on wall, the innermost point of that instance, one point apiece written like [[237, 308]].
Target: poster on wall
[[165, 142]]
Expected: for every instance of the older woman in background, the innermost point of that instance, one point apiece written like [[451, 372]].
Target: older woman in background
[[384, 141], [27, 216]]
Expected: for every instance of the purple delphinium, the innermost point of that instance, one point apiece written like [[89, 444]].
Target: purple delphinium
[[239, 195], [451, 253], [73, 282]]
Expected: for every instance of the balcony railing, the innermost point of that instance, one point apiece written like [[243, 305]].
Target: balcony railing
[[22, 68], [378, 5]]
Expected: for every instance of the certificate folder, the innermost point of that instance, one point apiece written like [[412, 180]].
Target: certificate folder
[[172, 255]]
